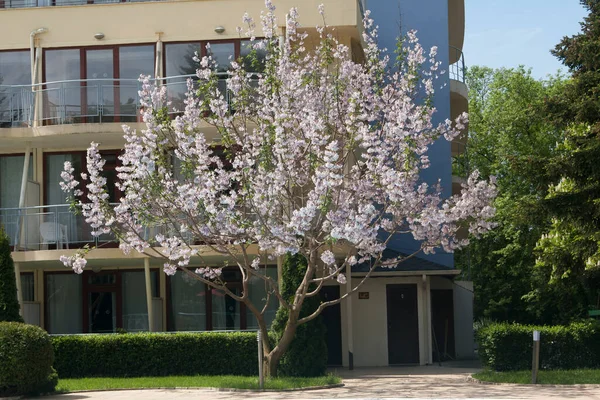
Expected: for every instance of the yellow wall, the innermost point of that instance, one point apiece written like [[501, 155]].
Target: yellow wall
[[139, 22]]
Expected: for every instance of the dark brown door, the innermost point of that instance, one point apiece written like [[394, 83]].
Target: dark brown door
[[403, 327], [332, 318]]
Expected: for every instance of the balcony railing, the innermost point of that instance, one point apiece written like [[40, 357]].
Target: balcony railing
[[85, 101], [52, 227], [457, 69], [47, 227], [50, 3]]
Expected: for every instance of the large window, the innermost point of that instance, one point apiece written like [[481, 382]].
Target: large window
[[76, 231], [135, 306], [97, 302], [64, 303], [11, 172], [196, 307], [258, 294], [63, 100], [95, 84], [14, 101]]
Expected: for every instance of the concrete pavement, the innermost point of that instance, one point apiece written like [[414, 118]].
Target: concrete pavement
[[444, 382]]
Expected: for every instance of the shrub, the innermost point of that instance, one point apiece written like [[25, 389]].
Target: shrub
[[508, 347], [156, 354], [26, 359], [307, 354], [9, 305]]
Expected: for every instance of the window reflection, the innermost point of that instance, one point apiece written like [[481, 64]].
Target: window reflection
[[133, 62], [63, 100], [179, 61], [14, 70], [223, 54]]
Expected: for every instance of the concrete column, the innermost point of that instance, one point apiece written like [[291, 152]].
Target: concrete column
[[350, 333], [40, 292], [19, 288], [163, 295], [25, 175], [149, 294], [429, 321]]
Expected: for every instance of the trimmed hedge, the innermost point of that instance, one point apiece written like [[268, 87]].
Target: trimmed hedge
[[508, 347], [26, 359], [156, 354]]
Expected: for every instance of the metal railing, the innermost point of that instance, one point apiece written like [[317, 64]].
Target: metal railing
[[48, 227], [5, 4], [56, 226], [457, 69], [86, 100]]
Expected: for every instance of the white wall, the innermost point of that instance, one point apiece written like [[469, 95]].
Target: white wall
[[369, 322]]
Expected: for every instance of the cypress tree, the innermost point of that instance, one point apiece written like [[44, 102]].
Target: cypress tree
[[9, 305]]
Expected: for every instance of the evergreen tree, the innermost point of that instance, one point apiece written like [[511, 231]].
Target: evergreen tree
[[569, 252], [9, 305], [307, 354]]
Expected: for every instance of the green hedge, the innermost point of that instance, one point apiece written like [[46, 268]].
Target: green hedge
[[508, 347], [156, 354], [26, 358]]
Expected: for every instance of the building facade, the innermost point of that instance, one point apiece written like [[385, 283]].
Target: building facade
[[68, 76]]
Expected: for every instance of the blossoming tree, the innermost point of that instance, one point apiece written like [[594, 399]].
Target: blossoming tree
[[319, 155]]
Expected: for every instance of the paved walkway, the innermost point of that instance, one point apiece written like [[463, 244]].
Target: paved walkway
[[444, 382]]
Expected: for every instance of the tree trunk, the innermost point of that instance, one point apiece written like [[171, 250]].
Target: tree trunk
[[272, 359]]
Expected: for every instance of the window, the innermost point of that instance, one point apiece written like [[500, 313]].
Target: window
[[27, 286], [64, 303], [133, 62], [14, 70], [197, 307], [76, 230], [63, 100], [135, 307], [188, 303], [258, 296], [109, 90], [11, 172]]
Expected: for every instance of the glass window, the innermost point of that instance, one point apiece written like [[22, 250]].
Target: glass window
[[63, 100], [254, 60], [258, 295], [179, 66], [133, 61], [180, 58], [27, 286], [11, 171], [223, 54], [76, 229], [15, 69], [188, 303], [135, 308], [100, 85], [225, 311], [64, 303]]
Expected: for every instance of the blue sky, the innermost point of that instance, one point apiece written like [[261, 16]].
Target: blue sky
[[506, 33]]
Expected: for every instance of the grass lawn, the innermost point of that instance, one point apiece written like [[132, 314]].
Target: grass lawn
[[561, 377], [222, 381]]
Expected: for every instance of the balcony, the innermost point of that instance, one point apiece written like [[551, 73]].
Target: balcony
[[48, 228], [56, 227], [85, 101], [459, 96], [4, 4]]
